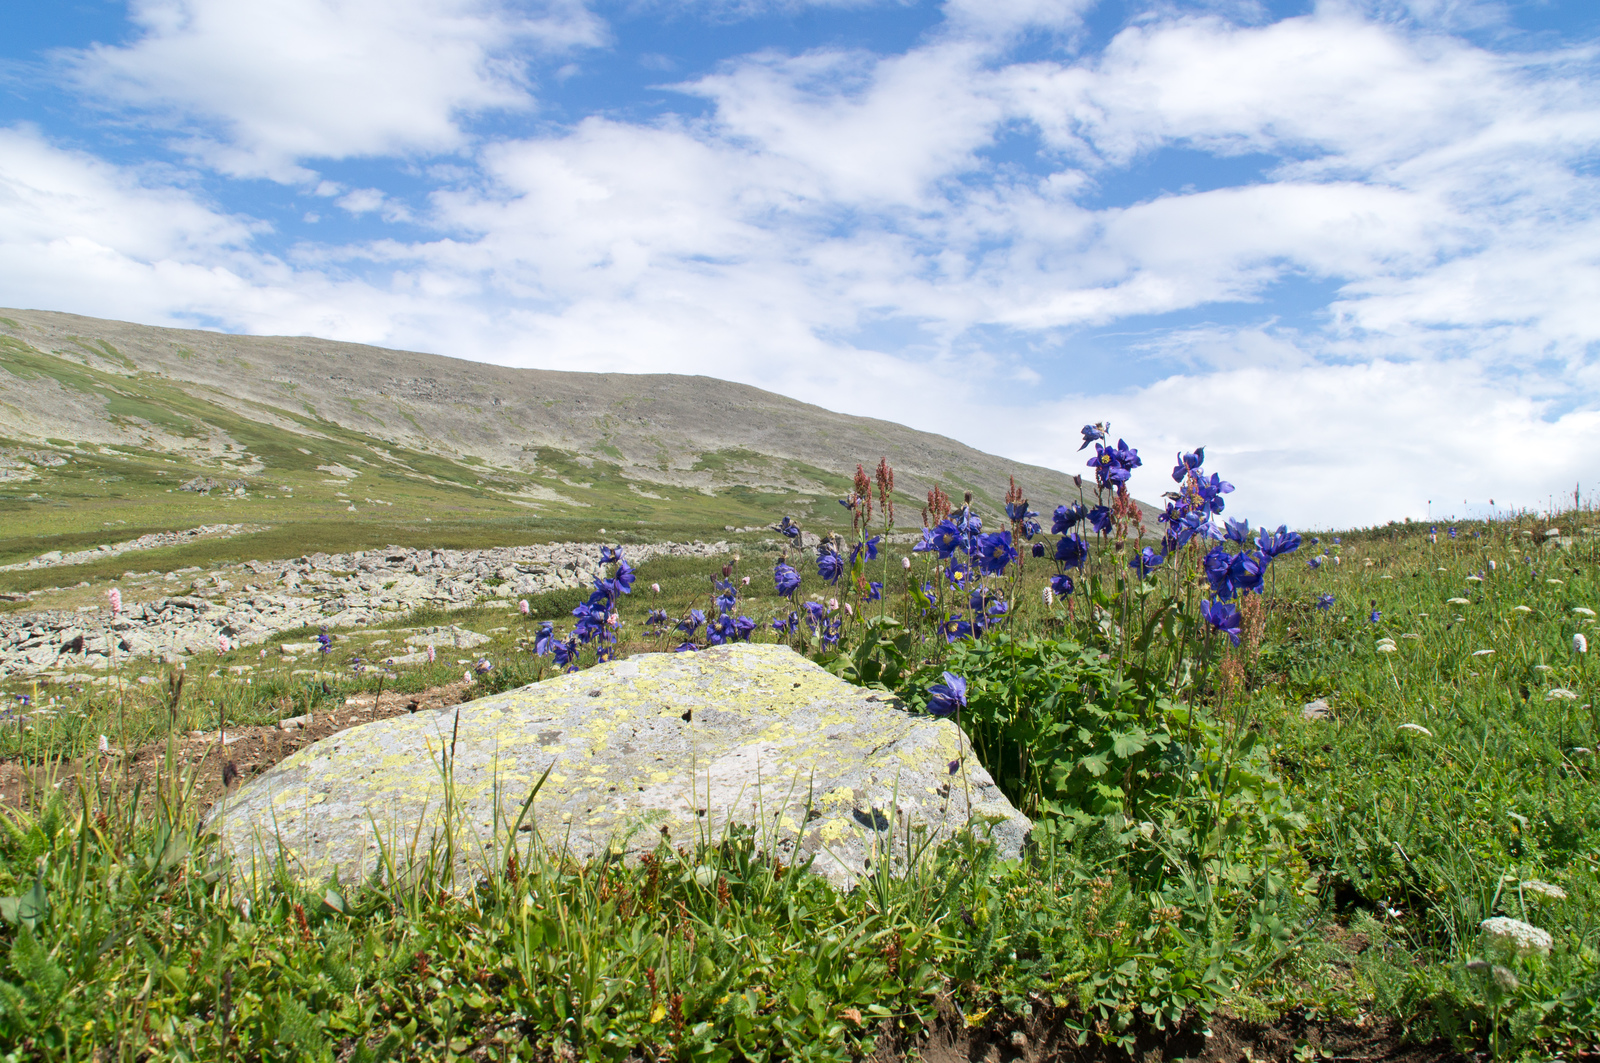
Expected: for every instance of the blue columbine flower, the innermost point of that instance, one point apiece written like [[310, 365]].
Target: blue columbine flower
[[785, 625], [947, 538], [872, 550], [1324, 602], [1222, 616], [830, 566], [996, 552], [1237, 530], [1215, 565], [624, 577], [1246, 572], [657, 618], [1100, 519], [719, 629], [949, 697], [926, 543], [874, 591], [610, 555], [1211, 492], [1188, 463], [1376, 616], [1092, 432], [743, 628], [1146, 561], [1039, 550], [544, 642], [1061, 586], [957, 572], [815, 612], [728, 598], [1315, 563], [786, 578], [1071, 551], [566, 654], [956, 628], [1066, 517], [789, 528], [1276, 544], [691, 623], [685, 647]]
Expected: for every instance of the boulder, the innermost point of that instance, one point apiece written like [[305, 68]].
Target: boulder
[[673, 746]]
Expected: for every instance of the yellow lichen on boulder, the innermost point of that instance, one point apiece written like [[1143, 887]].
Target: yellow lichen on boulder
[[675, 747]]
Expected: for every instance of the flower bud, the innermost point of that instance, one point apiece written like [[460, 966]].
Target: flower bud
[[905, 563], [1579, 643], [656, 587]]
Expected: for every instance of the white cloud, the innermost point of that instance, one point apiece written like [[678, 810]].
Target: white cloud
[[839, 229], [258, 87]]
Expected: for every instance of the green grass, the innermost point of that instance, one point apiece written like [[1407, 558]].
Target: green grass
[[1201, 847]]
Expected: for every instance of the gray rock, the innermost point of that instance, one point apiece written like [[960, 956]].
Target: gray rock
[[659, 746]]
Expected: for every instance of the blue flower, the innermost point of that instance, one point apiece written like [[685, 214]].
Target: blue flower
[[1146, 561], [957, 572], [830, 566], [784, 625], [926, 543], [1215, 565], [1315, 563], [1113, 465], [719, 630], [610, 555], [624, 577], [1071, 551], [956, 628], [947, 538], [815, 613], [566, 655], [1246, 572], [544, 642], [1030, 528], [949, 697], [996, 552], [1092, 432], [1039, 550], [1276, 544], [1188, 463], [1376, 616], [1211, 492], [874, 591], [728, 598], [1066, 517], [1225, 618], [872, 550], [1324, 602], [789, 528], [685, 647], [657, 618], [743, 628], [1237, 530], [1061, 586], [786, 578], [691, 623], [1100, 519]]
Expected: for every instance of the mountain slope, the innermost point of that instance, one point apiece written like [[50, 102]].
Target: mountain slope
[[442, 435]]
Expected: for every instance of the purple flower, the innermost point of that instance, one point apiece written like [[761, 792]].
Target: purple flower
[[926, 543], [830, 566], [1237, 530], [956, 628], [957, 572], [996, 552], [1188, 463], [1092, 432], [1061, 586], [544, 642], [784, 625], [1222, 616], [949, 697], [947, 538], [743, 628], [1324, 602], [872, 550], [1376, 616], [686, 647], [1100, 519], [1146, 561], [1039, 550], [1066, 517], [1071, 551], [789, 528], [1246, 572], [1315, 563], [874, 591], [1276, 544], [786, 578], [815, 612], [691, 623], [1211, 492]]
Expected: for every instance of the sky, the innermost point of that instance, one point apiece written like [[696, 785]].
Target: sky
[[1352, 248]]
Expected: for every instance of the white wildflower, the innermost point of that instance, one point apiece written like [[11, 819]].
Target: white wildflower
[[1543, 668], [1583, 610], [1560, 694], [1579, 643], [1459, 601], [1557, 582], [1525, 938], [1544, 889], [1474, 579], [1049, 597], [1481, 653], [1521, 609], [1387, 647], [1492, 565], [1416, 729]]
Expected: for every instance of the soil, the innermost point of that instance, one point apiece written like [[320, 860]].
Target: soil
[[1044, 1038], [209, 765]]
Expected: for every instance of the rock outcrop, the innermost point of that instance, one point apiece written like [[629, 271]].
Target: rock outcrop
[[658, 747]]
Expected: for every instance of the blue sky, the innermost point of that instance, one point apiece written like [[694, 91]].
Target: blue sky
[[1352, 247]]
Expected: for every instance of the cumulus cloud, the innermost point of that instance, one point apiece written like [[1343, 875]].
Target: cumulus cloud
[[849, 227], [255, 88]]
